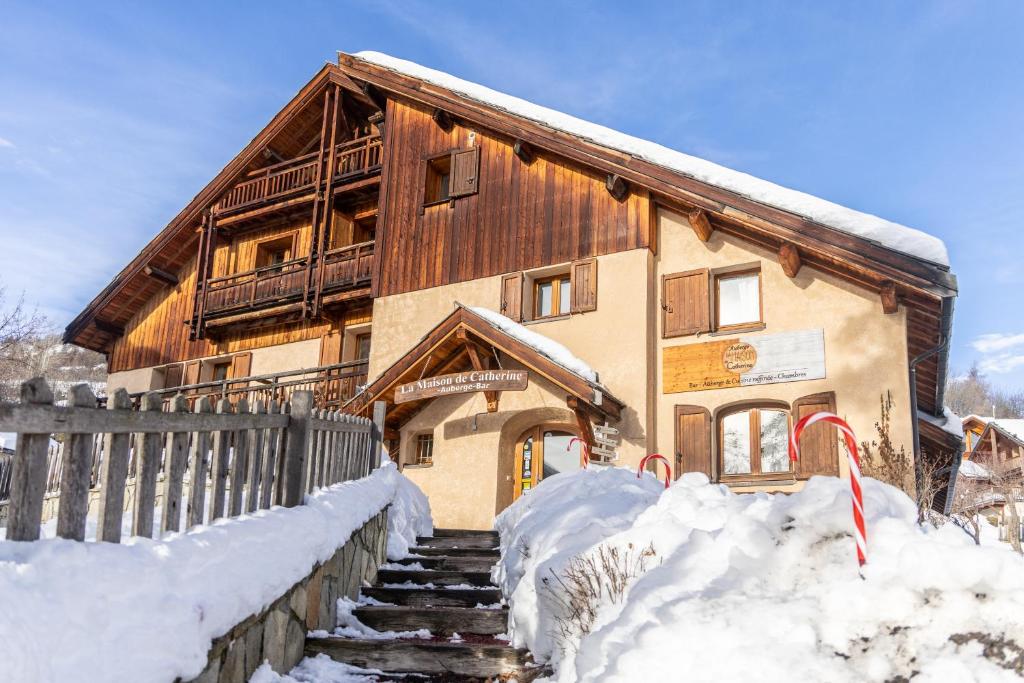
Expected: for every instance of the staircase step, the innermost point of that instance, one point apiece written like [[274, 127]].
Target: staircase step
[[431, 551], [476, 542], [422, 656], [458, 564], [434, 576], [437, 597], [441, 621], [464, 533]]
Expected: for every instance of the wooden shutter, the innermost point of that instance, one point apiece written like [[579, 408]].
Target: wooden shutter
[[512, 296], [583, 288], [241, 365], [693, 441], [172, 376], [465, 172], [191, 372], [819, 450], [330, 348], [685, 305]]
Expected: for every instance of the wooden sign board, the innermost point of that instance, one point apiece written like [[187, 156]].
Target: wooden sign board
[[462, 383], [746, 361]]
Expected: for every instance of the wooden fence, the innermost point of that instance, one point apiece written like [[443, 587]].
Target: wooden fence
[[246, 457]]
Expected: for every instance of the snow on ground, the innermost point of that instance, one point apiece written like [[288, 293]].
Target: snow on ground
[[758, 586], [887, 233], [408, 518], [319, 669], [147, 610], [547, 347]]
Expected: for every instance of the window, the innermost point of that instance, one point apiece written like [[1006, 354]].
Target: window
[[753, 442], [221, 371], [439, 171], [738, 299], [362, 346], [275, 252], [425, 449], [551, 296]]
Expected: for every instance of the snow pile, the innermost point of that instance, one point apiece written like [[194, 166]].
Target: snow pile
[[973, 470], [148, 610], [542, 344], [950, 422], [319, 669], [763, 587], [889, 234], [408, 517]]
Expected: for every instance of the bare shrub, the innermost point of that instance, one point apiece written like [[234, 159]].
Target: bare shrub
[[590, 580]]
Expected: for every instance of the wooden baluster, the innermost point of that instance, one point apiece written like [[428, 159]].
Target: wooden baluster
[[219, 466], [239, 463], [113, 475], [255, 462], [28, 476], [198, 463], [269, 461], [174, 470], [346, 452], [325, 451], [149, 445], [315, 436], [74, 480]]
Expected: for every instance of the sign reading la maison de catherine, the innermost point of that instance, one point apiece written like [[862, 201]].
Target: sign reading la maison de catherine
[[746, 361], [462, 383]]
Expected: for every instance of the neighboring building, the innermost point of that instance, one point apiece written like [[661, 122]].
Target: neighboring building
[[985, 436], [993, 471], [649, 301]]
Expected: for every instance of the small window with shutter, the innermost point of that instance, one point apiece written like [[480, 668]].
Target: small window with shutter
[[753, 441], [685, 304], [451, 175], [693, 441], [583, 276], [819, 447]]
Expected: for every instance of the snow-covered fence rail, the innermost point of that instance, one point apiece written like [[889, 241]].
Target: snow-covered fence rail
[[213, 462]]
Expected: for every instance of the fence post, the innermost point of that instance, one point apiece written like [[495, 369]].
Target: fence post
[[113, 474], [28, 472], [376, 436], [74, 481], [297, 445], [147, 465]]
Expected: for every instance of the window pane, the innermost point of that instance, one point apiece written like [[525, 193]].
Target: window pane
[[563, 296], [736, 443], [559, 456], [774, 437], [738, 300], [544, 299]]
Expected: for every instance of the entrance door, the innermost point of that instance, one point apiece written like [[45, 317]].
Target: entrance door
[[542, 452]]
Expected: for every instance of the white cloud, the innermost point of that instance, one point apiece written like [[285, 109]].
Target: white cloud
[[4, 142], [989, 343], [1002, 364]]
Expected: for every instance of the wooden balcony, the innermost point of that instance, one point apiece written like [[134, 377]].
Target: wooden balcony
[[344, 269], [353, 160]]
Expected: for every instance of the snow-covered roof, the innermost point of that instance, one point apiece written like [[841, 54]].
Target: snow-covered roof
[[972, 470], [891, 235], [1012, 426], [950, 422], [554, 351]]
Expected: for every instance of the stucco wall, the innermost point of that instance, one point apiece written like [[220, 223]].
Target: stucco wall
[[865, 350]]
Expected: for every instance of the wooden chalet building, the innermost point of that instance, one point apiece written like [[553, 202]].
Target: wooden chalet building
[[364, 243]]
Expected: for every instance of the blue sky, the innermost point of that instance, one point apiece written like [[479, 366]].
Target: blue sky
[[113, 115]]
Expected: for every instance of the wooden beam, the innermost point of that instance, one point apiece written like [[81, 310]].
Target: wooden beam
[[108, 327], [890, 302], [269, 153], [443, 120], [789, 259], [480, 361], [374, 94], [618, 187], [161, 275], [523, 150], [582, 420], [700, 224], [377, 120]]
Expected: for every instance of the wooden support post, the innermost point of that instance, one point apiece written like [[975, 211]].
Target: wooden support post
[[76, 474], [890, 300], [480, 361], [618, 187], [328, 208], [376, 436], [174, 471], [523, 150], [146, 468], [789, 259], [113, 474], [161, 275], [443, 120], [198, 467], [377, 121], [582, 422], [296, 446], [318, 200], [28, 472], [700, 224]]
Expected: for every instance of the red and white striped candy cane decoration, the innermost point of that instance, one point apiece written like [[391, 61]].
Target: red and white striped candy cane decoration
[[851, 445], [656, 456], [584, 451]]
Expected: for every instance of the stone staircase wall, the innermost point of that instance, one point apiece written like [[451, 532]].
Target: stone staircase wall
[[278, 633]]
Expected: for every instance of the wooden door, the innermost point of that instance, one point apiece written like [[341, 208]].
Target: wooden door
[[529, 462]]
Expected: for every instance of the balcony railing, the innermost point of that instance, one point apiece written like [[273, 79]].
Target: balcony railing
[[345, 268], [352, 158]]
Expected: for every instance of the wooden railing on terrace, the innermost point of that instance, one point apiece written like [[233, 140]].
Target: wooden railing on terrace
[[352, 159], [246, 457]]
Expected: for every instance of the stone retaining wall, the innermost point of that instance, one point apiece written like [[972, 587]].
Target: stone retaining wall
[[278, 633]]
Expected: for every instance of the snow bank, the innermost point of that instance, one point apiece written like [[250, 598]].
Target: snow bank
[[546, 346], [148, 610], [762, 587], [889, 234], [408, 518]]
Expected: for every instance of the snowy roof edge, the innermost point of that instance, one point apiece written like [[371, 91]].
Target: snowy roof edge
[[900, 238]]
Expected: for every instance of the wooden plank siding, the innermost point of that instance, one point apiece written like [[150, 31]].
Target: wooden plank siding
[[523, 215]]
